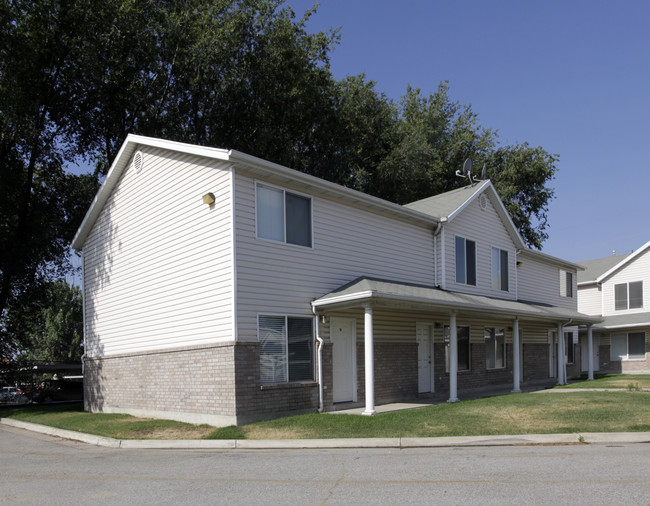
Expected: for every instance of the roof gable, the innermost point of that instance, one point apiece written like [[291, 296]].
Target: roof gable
[[623, 263], [446, 206]]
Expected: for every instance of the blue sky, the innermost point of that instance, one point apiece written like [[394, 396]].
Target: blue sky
[[571, 76]]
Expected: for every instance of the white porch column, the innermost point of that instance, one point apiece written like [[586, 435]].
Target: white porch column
[[369, 350], [516, 366], [453, 359], [590, 351], [561, 380]]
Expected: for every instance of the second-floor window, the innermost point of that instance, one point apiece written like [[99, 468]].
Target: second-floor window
[[283, 216], [465, 261], [500, 278], [628, 296], [566, 283]]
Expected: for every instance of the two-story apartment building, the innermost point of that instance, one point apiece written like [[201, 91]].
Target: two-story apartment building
[[617, 288], [221, 288]]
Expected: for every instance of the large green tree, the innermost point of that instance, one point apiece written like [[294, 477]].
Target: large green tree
[[77, 76]]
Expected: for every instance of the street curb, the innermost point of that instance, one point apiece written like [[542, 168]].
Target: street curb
[[297, 444]]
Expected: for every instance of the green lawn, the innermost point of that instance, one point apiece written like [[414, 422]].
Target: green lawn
[[585, 411], [624, 381]]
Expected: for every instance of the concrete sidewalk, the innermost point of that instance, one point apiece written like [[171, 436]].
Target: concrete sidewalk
[[290, 444]]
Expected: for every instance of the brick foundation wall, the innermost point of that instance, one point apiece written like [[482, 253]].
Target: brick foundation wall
[[260, 402], [396, 371], [623, 366], [205, 384], [198, 380]]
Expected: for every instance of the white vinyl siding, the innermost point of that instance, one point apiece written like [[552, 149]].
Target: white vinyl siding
[[638, 270], [589, 300], [158, 262], [486, 229], [540, 282], [348, 242]]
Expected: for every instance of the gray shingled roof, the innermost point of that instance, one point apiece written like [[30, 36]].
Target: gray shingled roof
[[623, 321], [369, 289], [597, 267], [444, 204]]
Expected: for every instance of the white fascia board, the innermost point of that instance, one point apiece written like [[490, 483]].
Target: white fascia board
[[623, 262], [343, 299], [622, 326]]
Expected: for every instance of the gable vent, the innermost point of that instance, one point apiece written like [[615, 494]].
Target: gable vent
[[482, 202], [138, 161]]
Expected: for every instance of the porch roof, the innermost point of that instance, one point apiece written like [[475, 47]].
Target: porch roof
[[624, 321], [365, 290]]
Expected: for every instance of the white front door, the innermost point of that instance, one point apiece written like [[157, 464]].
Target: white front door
[[584, 353], [424, 336], [344, 359]]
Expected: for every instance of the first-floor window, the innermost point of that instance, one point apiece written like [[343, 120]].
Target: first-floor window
[[462, 337], [495, 348], [628, 346], [286, 349]]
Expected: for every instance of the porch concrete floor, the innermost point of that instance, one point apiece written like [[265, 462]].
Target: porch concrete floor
[[357, 408]]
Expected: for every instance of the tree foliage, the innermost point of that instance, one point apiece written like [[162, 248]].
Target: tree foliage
[[77, 76]]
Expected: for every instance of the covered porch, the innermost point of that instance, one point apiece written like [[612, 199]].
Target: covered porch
[[484, 332]]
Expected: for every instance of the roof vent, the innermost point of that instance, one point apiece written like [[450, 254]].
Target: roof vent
[[482, 201], [138, 161]]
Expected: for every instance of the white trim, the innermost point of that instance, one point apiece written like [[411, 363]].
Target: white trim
[[233, 253], [622, 263], [443, 261]]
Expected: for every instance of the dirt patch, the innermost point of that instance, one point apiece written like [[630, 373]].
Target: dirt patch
[[254, 432], [173, 433]]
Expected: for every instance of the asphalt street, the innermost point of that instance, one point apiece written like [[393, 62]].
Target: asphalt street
[[40, 469]]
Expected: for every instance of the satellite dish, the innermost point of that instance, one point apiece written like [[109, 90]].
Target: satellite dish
[[467, 170]]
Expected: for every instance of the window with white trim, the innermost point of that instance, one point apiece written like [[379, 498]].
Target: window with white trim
[[630, 346], [465, 261], [566, 283], [495, 348], [462, 338], [283, 216], [286, 349], [628, 296], [500, 278]]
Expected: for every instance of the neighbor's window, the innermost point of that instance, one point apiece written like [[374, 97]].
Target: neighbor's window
[[499, 269], [628, 296], [495, 348], [628, 346], [462, 335], [465, 261], [283, 216], [286, 349]]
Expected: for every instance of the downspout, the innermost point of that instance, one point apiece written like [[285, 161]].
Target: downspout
[[517, 251], [443, 270], [319, 362], [435, 253]]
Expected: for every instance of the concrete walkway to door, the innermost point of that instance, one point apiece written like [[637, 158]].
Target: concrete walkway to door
[[351, 408]]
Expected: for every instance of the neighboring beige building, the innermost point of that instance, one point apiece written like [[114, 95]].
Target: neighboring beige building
[[617, 288], [221, 288]]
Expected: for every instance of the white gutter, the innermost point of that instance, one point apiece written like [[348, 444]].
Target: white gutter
[[320, 363], [83, 308]]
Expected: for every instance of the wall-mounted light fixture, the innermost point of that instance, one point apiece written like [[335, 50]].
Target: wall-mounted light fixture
[[323, 319], [208, 198]]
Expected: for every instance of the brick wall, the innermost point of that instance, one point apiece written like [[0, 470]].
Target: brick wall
[[622, 366], [198, 380], [396, 371]]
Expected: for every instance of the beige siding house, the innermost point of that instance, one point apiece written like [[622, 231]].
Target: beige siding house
[[221, 288], [617, 288]]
